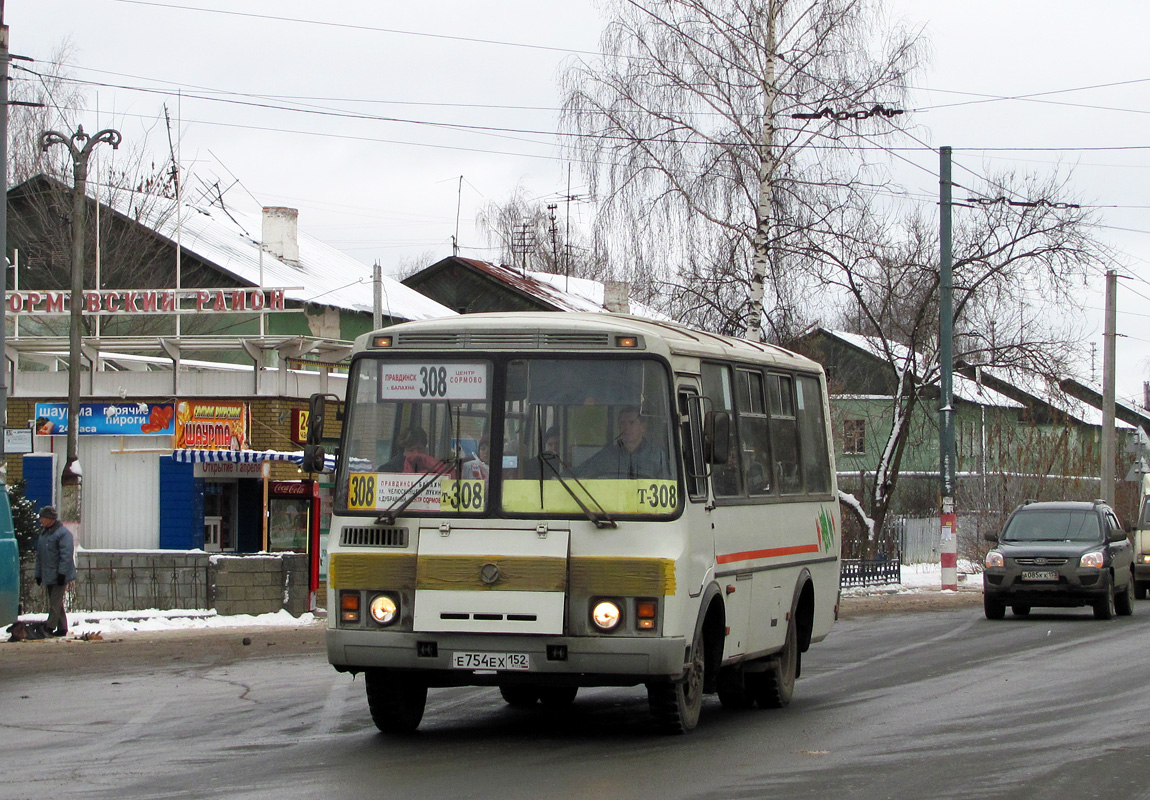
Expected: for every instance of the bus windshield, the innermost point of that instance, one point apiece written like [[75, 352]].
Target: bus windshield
[[580, 437], [583, 433], [417, 437]]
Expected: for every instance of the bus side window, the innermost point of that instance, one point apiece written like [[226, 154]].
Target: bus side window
[[784, 433], [691, 432]]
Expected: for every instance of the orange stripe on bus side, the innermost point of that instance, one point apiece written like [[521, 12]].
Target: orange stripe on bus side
[[770, 553]]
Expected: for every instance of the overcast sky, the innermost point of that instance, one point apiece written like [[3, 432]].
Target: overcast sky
[[390, 190]]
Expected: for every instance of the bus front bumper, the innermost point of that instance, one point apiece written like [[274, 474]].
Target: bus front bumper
[[566, 660]]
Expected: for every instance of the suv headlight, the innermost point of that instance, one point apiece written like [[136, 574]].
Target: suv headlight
[[1092, 560], [995, 559]]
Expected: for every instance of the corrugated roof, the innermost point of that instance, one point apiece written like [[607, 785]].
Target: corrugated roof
[[231, 240]]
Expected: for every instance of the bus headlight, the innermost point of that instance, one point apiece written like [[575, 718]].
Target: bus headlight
[[606, 615], [383, 609]]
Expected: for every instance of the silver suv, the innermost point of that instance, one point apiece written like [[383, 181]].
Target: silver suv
[[1060, 554]]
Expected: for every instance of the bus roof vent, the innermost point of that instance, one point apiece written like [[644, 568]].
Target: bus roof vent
[[512, 339], [373, 536], [444, 339], [577, 340]]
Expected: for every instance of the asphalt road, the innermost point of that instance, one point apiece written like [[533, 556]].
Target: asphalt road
[[933, 704]]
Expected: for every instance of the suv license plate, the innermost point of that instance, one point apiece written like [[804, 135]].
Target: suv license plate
[[1039, 575], [497, 661]]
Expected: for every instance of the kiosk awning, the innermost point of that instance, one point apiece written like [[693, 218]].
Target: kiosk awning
[[196, 456]]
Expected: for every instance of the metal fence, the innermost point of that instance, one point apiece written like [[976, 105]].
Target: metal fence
[[870, 571]]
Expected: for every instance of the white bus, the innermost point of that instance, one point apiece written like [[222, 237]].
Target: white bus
[[546, 501]]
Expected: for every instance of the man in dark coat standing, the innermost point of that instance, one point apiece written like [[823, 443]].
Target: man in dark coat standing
[[55, 567]]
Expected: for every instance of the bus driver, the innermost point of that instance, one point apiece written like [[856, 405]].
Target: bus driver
[[630, 455]]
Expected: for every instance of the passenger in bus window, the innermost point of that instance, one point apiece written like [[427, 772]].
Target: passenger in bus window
[[534, 468], [413, 456], [477, 468], [630, 455]]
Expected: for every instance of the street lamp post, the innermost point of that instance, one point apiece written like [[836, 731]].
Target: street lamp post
[[80, 146]]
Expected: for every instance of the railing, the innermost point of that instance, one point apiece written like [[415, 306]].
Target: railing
[[870, 572]]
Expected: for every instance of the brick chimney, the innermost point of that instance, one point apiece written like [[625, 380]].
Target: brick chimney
[[617, 297], [281, 233]]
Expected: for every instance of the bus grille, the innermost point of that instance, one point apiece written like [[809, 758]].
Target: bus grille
[[373, 537]]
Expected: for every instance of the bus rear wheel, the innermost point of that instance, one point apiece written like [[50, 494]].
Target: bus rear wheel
[[775, 687], [396, 700], [676, 705]]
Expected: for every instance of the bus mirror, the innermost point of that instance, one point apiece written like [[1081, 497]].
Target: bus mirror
[[717, 437], [315, 413], [313, 458]]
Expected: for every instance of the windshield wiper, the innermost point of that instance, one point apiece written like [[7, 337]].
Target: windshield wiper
[[601, 519], [400, 503]]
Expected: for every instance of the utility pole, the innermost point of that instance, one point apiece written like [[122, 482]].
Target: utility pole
[[80, 147], [948, 552], [3, 238], [377, 296], [1107, 472]]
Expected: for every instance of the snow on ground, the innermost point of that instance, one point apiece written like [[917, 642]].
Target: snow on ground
[[921, 578], [916, 579], [151, 619]]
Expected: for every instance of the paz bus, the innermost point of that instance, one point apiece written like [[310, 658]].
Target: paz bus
[[541, 502]]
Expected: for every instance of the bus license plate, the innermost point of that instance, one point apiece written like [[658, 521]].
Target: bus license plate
[[1039, 575], [496, 661]]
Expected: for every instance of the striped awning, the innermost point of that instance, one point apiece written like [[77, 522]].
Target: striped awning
[[196, 456]]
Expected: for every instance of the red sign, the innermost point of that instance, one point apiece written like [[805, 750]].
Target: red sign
[[149, 301]]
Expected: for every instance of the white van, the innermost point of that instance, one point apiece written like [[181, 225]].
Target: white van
[[1142, 543]]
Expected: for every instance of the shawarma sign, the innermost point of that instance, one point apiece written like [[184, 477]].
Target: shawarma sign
[[150, 301]]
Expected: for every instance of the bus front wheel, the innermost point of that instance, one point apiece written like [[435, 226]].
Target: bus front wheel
[[396, 700], [676, 705]]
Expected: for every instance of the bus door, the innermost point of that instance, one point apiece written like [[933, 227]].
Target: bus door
[[697, 512], [511, 579]]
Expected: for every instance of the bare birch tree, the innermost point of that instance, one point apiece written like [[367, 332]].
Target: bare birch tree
[[685, 123]]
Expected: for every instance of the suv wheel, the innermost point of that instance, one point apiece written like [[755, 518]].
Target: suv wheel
[[1124, 601], [1104, 607], [1020, 611], [995, 609]]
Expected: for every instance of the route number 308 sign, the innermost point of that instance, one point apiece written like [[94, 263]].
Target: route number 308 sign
[[432, 381]]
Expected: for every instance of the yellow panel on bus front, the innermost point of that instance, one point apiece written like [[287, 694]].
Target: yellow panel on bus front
[[640, 496], [491, 580], [378, 491]]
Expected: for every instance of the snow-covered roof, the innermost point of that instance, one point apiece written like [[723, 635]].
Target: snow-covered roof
[[560, 291], [230, 239], [964, 388]]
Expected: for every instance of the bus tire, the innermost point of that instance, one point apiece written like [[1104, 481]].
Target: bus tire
[[675, 705], [519, 696], [776, 685], [396, 700], [556, 697]]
